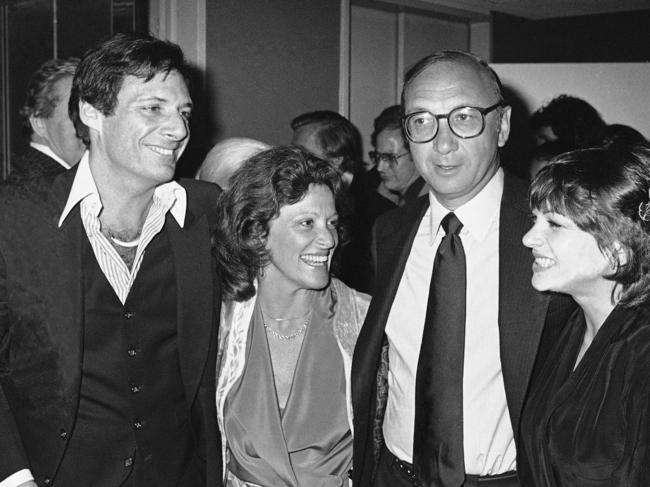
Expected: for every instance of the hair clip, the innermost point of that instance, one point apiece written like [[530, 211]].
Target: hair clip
[[644, 211]]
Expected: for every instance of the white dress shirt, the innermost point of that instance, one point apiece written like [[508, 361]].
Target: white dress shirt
[[488, 438], [50, 153], [169, 197]]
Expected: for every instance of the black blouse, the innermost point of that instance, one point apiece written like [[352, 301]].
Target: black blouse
[[591, 426]]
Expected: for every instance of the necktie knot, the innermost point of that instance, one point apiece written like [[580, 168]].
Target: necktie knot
[[451, 224]]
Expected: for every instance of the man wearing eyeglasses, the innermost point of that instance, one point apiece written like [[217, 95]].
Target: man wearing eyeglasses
[[447, 348], [392, 157]]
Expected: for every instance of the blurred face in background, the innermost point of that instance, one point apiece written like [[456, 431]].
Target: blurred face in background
[[394, 162], [307, 137], [57, 131]]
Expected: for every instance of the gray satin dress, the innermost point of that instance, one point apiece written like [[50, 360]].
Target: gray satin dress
[[309, 443]]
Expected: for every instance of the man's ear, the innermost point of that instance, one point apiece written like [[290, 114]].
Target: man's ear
[[38, 126], [90, 116], [504, 125]]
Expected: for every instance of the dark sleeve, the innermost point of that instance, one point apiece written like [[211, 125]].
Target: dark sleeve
[[12, 454], [202, 197], [373, 256], [634, 469]]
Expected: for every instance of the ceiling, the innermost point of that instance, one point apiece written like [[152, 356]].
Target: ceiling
[[530, 9]]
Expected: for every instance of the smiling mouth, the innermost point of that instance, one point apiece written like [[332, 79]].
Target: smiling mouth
[[544, 262], [161, 150], [314, 260]]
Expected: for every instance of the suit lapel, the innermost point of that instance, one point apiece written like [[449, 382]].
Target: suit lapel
[[191, 252], [67, 289], [522, 309], [392, 254], [393, 249]]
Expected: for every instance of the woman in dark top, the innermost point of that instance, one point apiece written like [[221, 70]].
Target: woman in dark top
[[587, 418]]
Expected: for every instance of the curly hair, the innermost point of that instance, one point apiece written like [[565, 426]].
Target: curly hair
[[265, 183], [605, 192]]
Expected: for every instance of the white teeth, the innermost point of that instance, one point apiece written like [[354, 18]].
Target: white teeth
[[314, 259], [162, 151], [544, 262]]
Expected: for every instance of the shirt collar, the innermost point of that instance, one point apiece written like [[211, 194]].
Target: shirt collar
[[172, 196], [477, 215], [49, 152]]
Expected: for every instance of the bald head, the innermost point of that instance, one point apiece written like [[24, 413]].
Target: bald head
[[226, 157], [471, 63]]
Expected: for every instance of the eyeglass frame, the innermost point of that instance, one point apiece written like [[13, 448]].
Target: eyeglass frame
[[482, 111], [394, 157]]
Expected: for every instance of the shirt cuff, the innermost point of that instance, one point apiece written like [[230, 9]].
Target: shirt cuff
[[18, 478]]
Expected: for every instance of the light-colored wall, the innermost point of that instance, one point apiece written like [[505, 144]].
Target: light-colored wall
[[373, 66], [424, 35], [384, 44], [187, 29], [619, 91]]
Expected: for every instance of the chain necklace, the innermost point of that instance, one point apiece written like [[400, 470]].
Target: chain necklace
[[293, 335]]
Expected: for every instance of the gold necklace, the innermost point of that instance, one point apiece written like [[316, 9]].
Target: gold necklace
[[293, 335]]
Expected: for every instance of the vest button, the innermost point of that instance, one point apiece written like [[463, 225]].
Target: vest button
[[135, 388], [128, 315], [138, 424], [128, 462], [63, 434], [47, 480], [132, 352]]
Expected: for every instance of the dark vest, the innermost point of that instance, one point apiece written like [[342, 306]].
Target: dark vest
[[132, 426]]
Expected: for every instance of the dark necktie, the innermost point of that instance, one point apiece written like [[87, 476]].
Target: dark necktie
[[438, 438]]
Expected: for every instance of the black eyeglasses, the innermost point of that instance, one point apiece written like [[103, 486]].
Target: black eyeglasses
[[391, 159], [464, 122]]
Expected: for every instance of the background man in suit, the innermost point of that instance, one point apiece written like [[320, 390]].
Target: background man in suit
[[455, 120], [54, 145], [108, 302]]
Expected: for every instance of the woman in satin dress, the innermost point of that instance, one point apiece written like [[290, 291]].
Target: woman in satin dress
[[288, 329]]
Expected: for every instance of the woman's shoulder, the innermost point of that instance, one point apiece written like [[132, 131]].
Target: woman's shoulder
[[635, 327], [350, 308], [346, 295], [632, 346]]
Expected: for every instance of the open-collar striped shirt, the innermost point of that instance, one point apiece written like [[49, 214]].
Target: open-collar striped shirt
[[169, 197]]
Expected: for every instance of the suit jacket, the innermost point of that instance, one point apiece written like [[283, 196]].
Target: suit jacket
[[33, 164], [522, 312], [41, 322]]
